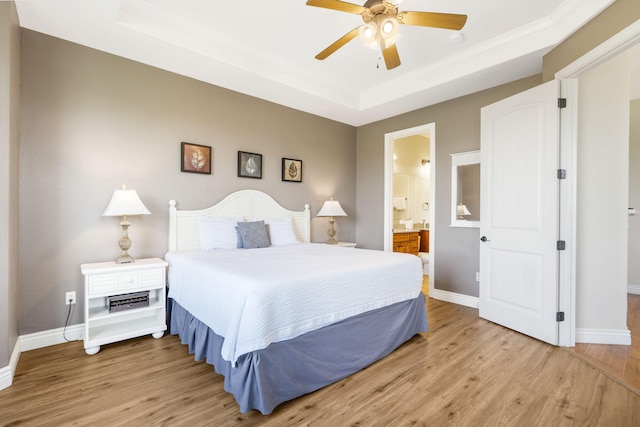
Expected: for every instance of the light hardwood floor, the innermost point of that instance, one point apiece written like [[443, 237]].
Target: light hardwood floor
[[620, 362], [465, 372]]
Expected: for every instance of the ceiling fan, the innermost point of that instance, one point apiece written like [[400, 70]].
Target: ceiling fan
[[380, 30]]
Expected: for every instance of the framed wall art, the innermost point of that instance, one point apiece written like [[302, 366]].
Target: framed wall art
[[249, 165], [195, 158], [291, 170]]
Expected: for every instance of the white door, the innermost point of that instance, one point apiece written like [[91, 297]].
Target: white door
[[519, 212]]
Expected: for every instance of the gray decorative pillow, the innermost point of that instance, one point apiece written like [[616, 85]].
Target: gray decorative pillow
[[253, 234], [239, 236]]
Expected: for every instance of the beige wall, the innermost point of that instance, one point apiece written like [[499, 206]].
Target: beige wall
[[612, 20], [634, 195], [9, 133], [457, 129], [93, 121], [602, 196]]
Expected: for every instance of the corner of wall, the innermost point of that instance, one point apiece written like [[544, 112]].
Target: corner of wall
[[7, 373]]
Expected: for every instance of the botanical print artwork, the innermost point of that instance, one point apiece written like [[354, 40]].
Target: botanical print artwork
[[198, 161], [249, 165], [291, 170], [195, 158]]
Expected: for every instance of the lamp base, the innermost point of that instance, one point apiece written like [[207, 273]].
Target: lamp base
[[125, 244], [125, 259], [331, 232]]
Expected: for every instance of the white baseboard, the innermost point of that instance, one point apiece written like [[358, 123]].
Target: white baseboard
[[607, 336], [7, 373], [6, 377], [35, 341], [51, 337], [603, 336], [460, 299]]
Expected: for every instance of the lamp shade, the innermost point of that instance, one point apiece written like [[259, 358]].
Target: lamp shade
[[462, 211], [125, 202], [332, 208]]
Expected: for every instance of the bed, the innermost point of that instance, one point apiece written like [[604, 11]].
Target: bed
[[285, 317]]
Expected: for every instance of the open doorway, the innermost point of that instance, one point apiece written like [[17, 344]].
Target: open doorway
[[410, 157], [611, 347], [634, 171]]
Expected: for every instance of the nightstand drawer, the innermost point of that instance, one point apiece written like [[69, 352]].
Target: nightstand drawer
[[128, 281], [101, 284], [109, 283], [152, 278]]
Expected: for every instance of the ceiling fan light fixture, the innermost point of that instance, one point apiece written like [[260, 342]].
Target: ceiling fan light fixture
[[388, 27], [369, 35], [388, 30], [368, 32], [381, 21]]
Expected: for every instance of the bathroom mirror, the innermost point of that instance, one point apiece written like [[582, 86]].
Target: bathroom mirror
[[465, 189]]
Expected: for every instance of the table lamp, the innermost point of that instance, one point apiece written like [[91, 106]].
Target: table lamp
[[125, 203], [331, 208], [462, 211]]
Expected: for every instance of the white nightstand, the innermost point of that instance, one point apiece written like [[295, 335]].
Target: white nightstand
[[107, 279], [346, 244]]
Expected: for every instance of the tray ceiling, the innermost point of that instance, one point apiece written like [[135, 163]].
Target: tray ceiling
[[266, 49]]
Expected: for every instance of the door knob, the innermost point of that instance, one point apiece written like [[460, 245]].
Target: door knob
[[484, 239]]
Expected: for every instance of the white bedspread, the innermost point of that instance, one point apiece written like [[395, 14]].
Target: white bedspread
[[253, 297]]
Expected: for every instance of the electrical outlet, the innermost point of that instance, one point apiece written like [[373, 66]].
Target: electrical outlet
[[477, 276], [70, 298]]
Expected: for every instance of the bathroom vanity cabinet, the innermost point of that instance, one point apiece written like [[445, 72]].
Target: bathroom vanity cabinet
[[406, 241]]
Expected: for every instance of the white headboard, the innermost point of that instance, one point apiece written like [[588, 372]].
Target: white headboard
[[183, 224]]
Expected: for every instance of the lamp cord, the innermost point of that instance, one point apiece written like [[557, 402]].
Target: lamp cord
[[66, 323]]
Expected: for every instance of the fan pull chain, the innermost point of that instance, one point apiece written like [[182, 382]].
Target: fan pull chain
[[378, 63]]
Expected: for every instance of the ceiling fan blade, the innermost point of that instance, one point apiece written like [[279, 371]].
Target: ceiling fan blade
[[391, 56], [338, 5], [448, 21], [338, 44]]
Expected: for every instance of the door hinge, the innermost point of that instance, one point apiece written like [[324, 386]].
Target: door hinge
[[562, 174], [560, 245], [562, 102], [560, 316]]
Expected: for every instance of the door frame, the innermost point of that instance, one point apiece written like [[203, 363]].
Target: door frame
[[568, 77], [389, 139]]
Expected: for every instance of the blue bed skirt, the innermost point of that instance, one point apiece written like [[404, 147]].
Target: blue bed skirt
[[285, 370]]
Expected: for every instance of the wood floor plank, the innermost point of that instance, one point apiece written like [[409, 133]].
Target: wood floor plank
[[619, 362], [632, 369], [465, 371]]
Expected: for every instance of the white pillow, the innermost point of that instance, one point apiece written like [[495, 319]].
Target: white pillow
[[281, 231], [218, 233]]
